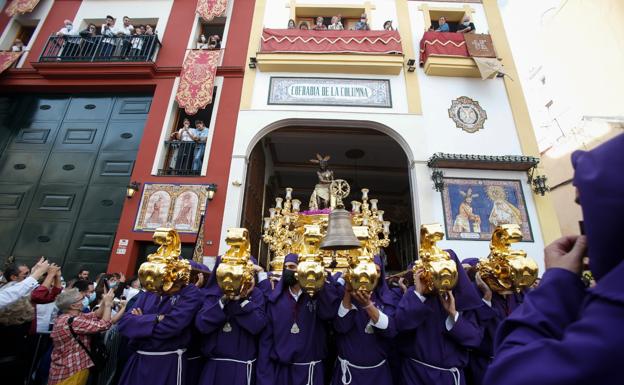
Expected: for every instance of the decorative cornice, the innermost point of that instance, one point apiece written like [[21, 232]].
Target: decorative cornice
[[483, 162]]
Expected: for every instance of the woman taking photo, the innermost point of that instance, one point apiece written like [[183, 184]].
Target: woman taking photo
[[70, 361]]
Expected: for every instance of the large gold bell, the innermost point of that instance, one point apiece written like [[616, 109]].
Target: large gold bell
[[340, 234]]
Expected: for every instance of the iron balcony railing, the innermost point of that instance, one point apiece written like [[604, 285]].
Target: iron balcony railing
[[180, 158], [138, 48]]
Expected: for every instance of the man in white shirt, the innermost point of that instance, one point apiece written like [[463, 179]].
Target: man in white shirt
[[23, 284], [70, 45], [125, 31], [108, 32]]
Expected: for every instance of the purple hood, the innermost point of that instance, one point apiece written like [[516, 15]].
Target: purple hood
[[599, 177]]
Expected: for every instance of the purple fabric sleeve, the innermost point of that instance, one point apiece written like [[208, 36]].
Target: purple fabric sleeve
[[251, 317], [181, 315], [410, 312], [265, 370], [137, 326], [466, 330], [210, 317]]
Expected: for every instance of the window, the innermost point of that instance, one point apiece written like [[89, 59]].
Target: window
[[309, 13], [453, 16], [185, 157], [213, 33], [19, 29]]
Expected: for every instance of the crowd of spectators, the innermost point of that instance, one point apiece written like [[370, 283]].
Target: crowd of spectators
[[466, 26], [123, 41], [49, 327]]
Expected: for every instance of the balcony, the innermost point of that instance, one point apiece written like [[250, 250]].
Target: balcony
[[140, 48], [361, 52], [455, 54], [180, 157], [101, 56]]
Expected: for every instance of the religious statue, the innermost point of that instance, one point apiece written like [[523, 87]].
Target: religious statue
[[321, 197], [503, 212]]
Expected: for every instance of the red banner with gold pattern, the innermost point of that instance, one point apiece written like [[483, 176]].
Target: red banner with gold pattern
[[361, 42], [7, 59], [442, 44], [19, 7], [209, 9], [197, 80]]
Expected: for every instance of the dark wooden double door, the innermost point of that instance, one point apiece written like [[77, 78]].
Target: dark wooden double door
[[64, 166]]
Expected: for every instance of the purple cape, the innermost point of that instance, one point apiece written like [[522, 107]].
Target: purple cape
[[424, 336], [287, 353], [563, 334], [172, 333], [363, 345]]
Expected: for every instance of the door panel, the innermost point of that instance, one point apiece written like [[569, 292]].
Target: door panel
[[21, 167], [89, 109], [63, 175], [45, 238], [103, 202], [69, 167]]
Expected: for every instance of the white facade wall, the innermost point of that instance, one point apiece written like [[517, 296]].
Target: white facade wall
[[419, 135], [134, 9]]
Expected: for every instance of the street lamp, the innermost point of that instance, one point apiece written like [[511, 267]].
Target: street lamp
[[438, 180], [132, 188], [211, 189]]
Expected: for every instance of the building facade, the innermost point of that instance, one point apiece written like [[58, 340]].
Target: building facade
[[403, 112]]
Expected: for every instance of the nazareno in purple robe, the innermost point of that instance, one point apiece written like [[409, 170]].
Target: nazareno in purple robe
[[424, 336], [171, 335], [230, 335], [288, 358], [489, 318], [194, 358], [563, 334], [362, 345]]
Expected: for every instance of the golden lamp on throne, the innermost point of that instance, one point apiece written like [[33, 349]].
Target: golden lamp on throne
[[327, 237]]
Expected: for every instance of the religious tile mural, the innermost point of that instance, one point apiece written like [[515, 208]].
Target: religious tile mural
[[474, 207], [171, 205]]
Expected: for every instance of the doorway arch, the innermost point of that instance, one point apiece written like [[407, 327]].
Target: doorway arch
[[366, 154]]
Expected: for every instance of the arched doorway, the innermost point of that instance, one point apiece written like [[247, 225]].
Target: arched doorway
[[365, 157]]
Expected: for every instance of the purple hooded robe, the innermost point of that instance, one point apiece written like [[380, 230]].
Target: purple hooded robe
[[292, 355], [159, 356], [363, 348], [229, 335], [489, 317], [425, 334], [563, 334]]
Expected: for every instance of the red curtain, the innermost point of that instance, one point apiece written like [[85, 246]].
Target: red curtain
[[7, 59], [197, 80], [442, 43], [18, 7], [310, 41], [209, 9]]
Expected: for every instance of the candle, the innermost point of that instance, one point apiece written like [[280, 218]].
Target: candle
[[289, 193], [278, 203], [386, 227], [364, 194], [272, 213], [380, 214], [267, 222], [355, 207], [373, 203], [296, 203]]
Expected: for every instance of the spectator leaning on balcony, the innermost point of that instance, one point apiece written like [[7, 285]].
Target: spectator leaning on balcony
[[181, 158], [291, 24], [108, 32], [214, 42], [362, 25], [319, 26], [200, 136], [125, 32], [335, 25], [388, 26], [136, 43], [442, 25], [304, 25], [466, 26], [18, 46], [70, 45], [202, 42]]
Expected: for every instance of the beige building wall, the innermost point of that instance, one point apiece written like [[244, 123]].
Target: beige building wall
[[570, 56]]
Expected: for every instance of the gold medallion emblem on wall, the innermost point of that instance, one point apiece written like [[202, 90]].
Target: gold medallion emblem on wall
[[467, 114]]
